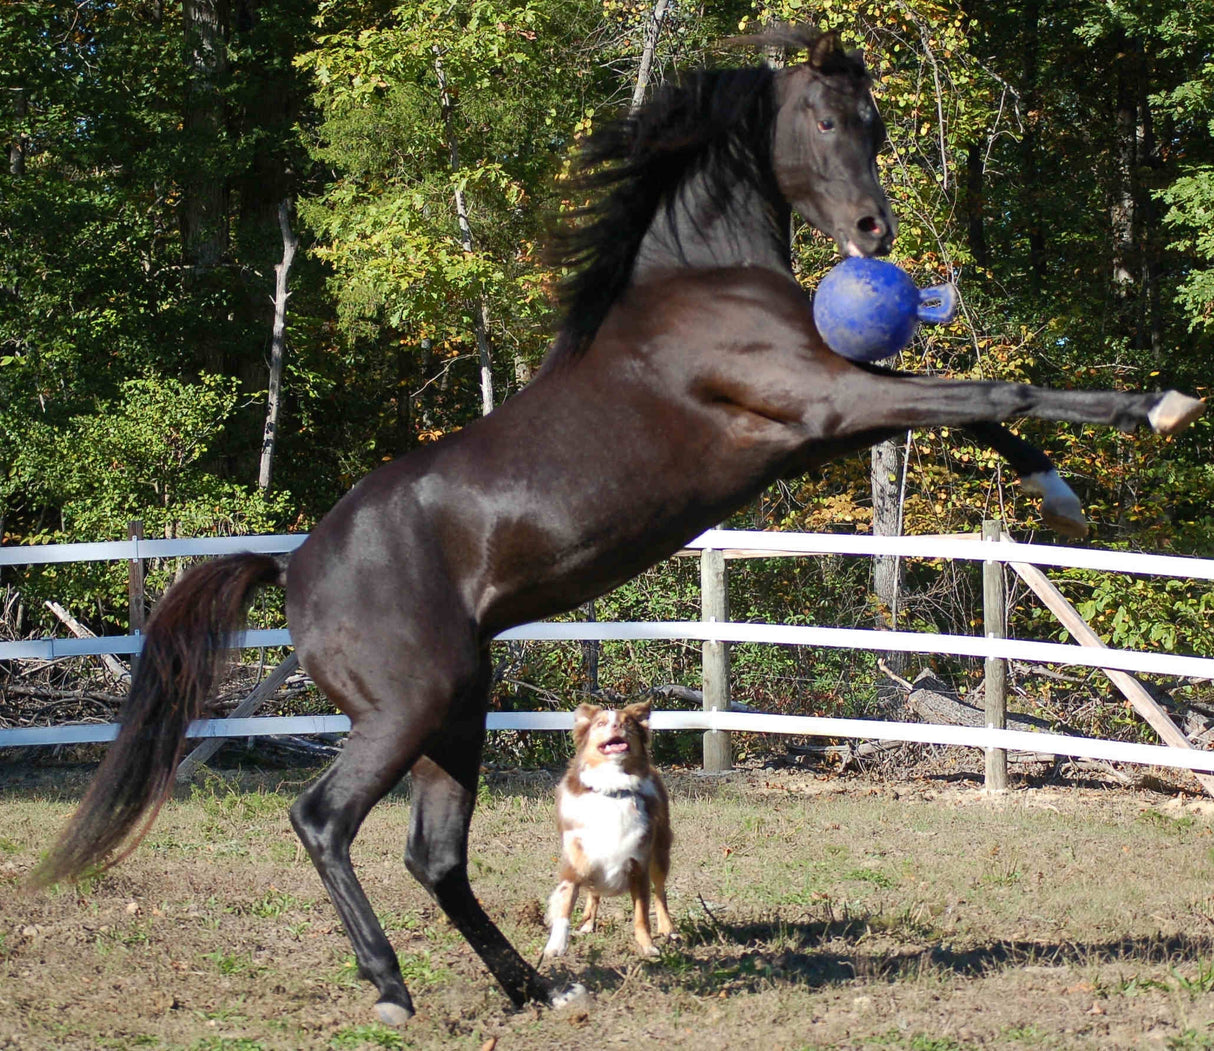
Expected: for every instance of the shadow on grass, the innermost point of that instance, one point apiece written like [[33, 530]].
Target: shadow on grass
[[716, 957]]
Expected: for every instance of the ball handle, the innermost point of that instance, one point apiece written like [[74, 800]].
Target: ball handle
[[939, 312]]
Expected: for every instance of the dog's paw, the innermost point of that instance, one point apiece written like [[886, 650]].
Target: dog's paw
[[558, 940]]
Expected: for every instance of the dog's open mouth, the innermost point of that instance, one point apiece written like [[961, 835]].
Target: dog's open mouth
[[614, 746]]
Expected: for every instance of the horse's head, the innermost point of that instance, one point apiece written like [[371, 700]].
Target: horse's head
[[824, 150]]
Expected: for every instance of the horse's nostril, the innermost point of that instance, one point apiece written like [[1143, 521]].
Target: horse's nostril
[[870, 224]]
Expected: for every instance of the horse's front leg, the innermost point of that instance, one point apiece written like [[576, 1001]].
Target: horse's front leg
[[1060, 507], [866, 401]]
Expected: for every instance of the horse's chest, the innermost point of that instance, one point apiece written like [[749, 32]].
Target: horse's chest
[[604, 834]]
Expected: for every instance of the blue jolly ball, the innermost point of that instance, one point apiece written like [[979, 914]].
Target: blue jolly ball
[[867, 309]]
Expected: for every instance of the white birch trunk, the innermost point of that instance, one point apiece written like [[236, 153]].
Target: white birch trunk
[[653, 29], [278, 339], [480, 313]]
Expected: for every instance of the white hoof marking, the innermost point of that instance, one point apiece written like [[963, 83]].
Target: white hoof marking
[[392, 1014], [1060, 506], [1175, 412], [568, 997]]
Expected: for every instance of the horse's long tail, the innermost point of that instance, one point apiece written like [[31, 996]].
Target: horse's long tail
[[183, 646]]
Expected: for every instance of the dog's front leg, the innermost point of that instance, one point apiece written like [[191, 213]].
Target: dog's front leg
[[591, 915], [639, 885], [560, 908], [665, 923]]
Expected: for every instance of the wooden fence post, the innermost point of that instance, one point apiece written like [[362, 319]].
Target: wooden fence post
[[134, 589], [714, 604], [994, 626], [591, 649]]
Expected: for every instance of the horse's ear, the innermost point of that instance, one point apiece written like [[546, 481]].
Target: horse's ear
[[857, 56], [822, 50]]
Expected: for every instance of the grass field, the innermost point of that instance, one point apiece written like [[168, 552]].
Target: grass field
[[814, 913]]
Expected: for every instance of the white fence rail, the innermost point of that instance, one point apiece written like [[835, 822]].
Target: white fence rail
[[743, 722], [735, 544]]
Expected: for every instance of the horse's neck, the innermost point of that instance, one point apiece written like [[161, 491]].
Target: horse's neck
[[751, 231]]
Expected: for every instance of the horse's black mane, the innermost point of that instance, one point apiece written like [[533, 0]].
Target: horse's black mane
[[715, 123]]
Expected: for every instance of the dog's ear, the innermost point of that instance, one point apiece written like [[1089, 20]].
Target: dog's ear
[[582, 718], [639, 713]]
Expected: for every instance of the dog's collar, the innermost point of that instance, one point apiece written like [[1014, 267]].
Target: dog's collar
[[613, 783], [620, 793]]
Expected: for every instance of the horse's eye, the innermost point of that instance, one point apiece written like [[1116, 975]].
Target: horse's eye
[[826, 124]]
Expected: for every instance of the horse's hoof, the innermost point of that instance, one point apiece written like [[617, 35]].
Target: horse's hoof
[[559, 999], [1175, 412], [1060, 507], [1065, 521], [393, 1013]]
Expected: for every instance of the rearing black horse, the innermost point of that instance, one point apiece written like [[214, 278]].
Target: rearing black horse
[[688, 376]]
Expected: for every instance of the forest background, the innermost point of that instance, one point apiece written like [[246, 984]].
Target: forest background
[[1055, 159]]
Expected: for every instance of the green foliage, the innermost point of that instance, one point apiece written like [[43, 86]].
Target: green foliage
[[1191, 215], [401, 143], [149, 445], [1172, 616]]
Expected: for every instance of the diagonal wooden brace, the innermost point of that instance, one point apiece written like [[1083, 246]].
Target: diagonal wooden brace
[[261, 693], [1144, 704]]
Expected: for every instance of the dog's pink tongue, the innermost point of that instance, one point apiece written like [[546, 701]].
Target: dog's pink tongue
[[612, 747]]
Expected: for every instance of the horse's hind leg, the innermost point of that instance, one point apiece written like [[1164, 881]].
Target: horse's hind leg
[[1060, 507], [444, 794], [327, 815]]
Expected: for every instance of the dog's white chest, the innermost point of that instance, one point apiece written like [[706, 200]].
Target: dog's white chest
[[604, 832]]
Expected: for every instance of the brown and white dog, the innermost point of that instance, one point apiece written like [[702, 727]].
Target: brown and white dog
[[614, 819]]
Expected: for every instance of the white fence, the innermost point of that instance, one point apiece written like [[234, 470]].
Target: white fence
[[734, 544]]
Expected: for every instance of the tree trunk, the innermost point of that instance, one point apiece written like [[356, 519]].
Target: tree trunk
[[204, 211], [886, 477], [278, 339], [480, 313], [975, 178], [1122, 217], [1033, 190], [16, 148], [653, 29], [1148, 236], [1132, 215]]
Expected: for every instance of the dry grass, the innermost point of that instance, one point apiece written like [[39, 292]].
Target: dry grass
[[814, 913]]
